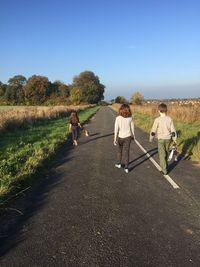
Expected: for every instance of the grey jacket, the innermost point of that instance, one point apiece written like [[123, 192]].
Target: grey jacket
[[163, 128]]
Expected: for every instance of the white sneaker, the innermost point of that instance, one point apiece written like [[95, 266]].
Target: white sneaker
[[118, 166], [126, 170]]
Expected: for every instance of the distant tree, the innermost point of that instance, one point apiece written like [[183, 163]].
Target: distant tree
[[137, 98], [54, 88], [63, 91], [90, 90], [14, 93], [2, 89], [75, 96], [10, 94], [103, 103], [60, 89], [37, 90], [120, 100], [17, 80]]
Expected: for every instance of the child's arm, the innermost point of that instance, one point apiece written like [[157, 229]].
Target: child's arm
[[153, 130], [70, 127], [132, 130], [173, 131], [116, 130], [79, 124]]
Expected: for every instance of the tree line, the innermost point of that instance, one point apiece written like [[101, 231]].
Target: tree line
[[137, 99], [38, 90]]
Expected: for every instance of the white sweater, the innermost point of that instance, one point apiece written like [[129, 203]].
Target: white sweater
[[124, 127]]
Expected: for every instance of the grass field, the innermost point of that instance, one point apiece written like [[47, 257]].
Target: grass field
[[12, 117], [23, 151], [183, 111], [188, 140]]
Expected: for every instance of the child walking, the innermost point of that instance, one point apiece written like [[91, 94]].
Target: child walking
[[163, 128], [74, 125], [123, 133]]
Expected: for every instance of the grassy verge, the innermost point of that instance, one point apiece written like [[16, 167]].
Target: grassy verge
[[23, 151], [188, 140]]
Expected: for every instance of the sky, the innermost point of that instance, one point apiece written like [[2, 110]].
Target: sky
[[150, 46]]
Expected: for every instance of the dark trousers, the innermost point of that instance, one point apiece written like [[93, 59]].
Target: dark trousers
[[123, 146], [74, 132]]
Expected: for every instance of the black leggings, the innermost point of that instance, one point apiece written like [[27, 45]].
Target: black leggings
[[123, 144], [74, 132]]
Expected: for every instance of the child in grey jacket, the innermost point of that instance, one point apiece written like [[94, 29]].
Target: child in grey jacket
[[163, 128]]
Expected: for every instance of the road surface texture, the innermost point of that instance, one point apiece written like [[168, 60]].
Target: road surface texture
[[86, 212]]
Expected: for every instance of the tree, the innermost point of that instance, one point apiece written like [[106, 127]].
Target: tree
[[14, 93], [2, 89], [37, 90], [10, 94], [121, 100], [90, 89], [75, 96], [137, 98], [63, 91], [17, 80]]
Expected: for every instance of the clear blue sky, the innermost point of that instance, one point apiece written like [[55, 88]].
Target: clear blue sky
[[152, 46]]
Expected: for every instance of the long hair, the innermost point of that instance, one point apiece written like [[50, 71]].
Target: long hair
[[125, 111], [74, 117]]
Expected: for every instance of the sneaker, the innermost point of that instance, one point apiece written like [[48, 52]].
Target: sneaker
[[118, 166], [126, 170], [163, 173]]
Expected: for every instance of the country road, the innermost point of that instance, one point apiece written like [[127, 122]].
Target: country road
[[86, 212]]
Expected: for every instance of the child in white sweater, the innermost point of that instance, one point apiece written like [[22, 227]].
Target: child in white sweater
[[123, 133]]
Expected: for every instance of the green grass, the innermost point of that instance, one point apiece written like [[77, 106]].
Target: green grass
[[23, 151], [188, 134]]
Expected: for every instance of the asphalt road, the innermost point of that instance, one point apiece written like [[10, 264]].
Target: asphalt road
[[86, 212]]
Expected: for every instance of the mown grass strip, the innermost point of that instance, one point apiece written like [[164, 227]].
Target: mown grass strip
[[23, 151]]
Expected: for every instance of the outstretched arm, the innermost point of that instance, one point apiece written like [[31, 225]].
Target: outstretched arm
[[116, 130], [153, 130], [132, 130]]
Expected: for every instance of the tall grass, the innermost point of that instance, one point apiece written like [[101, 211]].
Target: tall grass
[[17, 117], [188, 127], [181, 112], [23, 151]]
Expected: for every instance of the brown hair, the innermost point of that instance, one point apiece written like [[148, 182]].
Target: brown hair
[[162, 108], [74, 117], [125, 111]]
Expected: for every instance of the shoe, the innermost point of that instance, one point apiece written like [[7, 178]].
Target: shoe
[[118, 166], [126, 170], [86, 133]]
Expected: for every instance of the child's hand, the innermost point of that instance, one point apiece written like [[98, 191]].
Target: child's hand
[[115, 142]]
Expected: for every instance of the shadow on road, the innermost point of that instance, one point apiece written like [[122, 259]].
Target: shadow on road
[[152, 152], [93, 139], [22, 209]]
